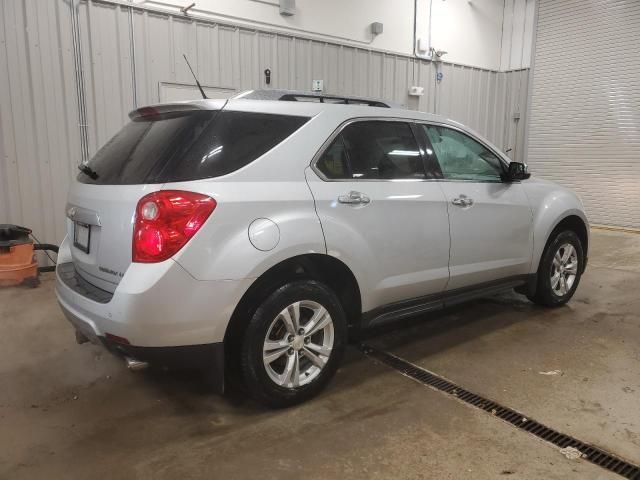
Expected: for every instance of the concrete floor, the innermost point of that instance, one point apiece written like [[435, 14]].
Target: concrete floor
[[70, 411]]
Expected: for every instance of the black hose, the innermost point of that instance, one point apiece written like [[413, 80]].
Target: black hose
[[46, 246]]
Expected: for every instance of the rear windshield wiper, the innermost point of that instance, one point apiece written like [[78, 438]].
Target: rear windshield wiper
[[88, 171]]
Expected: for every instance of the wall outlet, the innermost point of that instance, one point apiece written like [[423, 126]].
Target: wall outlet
[[416, 91], [317, 85]]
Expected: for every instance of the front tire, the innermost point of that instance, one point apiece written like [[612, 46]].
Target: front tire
[[560, 270], [293, 344]]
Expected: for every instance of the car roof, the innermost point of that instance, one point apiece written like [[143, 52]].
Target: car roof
[[313, 104], [302, 108], [334, 113], [313, 97]]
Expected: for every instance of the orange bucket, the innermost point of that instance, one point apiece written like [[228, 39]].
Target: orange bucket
[[17, 260]]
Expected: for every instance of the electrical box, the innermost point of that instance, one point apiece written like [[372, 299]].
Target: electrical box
[[416, 91], [287, 7], [377, 28], [423, 46], [317, 85]]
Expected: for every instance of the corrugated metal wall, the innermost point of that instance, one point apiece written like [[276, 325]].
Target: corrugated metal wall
[[39, 135], [585, 113], [127, 52]]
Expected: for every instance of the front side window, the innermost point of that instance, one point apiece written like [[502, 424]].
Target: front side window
[[373, 150], [462, 158]]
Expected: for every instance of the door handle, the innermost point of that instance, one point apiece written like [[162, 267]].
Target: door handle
[[354, 198], [462, 201]]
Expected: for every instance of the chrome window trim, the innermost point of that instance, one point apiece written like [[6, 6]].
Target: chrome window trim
[[327, 143]]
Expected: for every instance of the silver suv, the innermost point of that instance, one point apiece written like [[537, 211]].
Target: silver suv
[[250, 238]]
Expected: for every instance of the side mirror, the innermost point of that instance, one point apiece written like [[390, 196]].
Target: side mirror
[[516, 171]]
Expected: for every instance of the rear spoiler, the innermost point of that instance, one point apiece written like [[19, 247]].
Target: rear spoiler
[[154, 110]]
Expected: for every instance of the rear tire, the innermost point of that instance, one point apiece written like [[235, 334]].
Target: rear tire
[[293, 344], [560, 270]]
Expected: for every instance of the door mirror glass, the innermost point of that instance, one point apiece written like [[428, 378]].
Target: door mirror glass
[[517, 171]]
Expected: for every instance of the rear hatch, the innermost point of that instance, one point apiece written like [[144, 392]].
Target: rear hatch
[[171, 143]]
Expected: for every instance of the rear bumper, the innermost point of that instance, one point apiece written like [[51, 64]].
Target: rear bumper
[[167, 317], [207, 357], [155, 305]]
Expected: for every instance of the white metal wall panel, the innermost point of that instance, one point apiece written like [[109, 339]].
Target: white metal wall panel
[[585, 107], [39, 135], [517, 34], [106, 51], [229, 57], [129, 54], [473, 97]]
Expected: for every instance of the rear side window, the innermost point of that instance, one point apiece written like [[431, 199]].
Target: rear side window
[[334, 162], [182, 146], [373, 150]]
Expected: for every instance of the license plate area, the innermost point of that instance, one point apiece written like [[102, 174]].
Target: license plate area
[[82, 236]]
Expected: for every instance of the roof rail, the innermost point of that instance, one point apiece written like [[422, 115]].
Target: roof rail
[[306, 97]]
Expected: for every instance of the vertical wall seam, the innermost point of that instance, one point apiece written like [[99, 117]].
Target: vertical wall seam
[[80, 88], [524, 29], [13, 130], [513, 18], [35, 145], [527, 119], [504, 7], [46, 183]]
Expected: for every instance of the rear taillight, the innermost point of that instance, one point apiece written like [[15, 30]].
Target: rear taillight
[[165, 221]]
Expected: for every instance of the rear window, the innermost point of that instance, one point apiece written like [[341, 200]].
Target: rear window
[[182, 146]]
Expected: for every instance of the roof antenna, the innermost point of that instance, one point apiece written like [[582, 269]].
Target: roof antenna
[[194, 77]]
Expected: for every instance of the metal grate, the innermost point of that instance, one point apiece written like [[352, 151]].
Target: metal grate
[[593, 454]]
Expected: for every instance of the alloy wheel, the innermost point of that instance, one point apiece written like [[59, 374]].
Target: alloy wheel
[[564, 269], [298, 344]]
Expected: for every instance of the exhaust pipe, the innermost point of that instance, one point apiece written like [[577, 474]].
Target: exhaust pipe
[[135, 365]]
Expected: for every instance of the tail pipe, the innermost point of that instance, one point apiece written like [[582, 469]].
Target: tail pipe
[[135, 365]]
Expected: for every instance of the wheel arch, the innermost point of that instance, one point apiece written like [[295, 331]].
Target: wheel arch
[[577, 224], [314, 266]]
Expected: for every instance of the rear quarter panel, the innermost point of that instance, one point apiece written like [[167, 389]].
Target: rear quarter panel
[[222, 250], [272, 187]]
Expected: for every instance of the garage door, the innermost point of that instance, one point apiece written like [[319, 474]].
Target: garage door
[[584, 129]]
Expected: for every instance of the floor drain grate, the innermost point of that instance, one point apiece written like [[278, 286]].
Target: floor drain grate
[[588, 452]]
